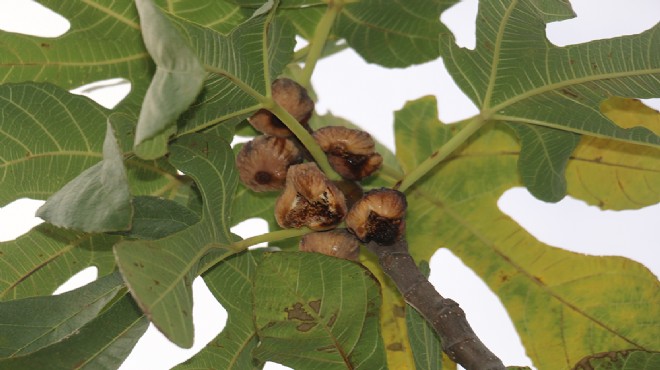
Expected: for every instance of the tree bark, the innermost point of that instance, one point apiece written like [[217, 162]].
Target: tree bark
[[458, 339]]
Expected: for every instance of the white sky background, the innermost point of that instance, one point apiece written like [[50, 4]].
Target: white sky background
[[368, 95]]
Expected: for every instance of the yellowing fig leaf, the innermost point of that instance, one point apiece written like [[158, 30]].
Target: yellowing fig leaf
[[564, 305], [516, 75], [620, 360], [629, 113]]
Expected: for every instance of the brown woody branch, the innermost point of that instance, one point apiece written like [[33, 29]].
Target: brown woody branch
[[458, 339]]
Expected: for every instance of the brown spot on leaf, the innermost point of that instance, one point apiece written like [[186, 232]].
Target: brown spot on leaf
[[332, 320], [315, 305], [45, 45], [327, 349], [569, 93], [571, 61], [398, 311], [504, 278], [156, 282], [594, 66], [298, 313], [184, 313], [395, 347]]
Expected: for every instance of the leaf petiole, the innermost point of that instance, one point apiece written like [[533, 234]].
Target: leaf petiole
[[305, 138], [473, 125], [317, 44], [241, 245]]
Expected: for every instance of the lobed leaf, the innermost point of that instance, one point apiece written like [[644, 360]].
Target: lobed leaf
[[516, 75], [179, 78], [629, 113], [103, 42], [97, 200], [317, 311], [399, 34], [156, 218], [48, 136], [543, 163], [43, 259], [159, 273], [104, 343], [26, 329], [564, 305], [233, 347], [243, 63]]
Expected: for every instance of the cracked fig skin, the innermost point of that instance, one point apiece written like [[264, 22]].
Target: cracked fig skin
[[336, 243], [378, 216], [309, 199], [294, 99], [263, 162], [350, 152]]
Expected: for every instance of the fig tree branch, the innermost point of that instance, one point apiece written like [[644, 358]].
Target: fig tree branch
[[458, 339]]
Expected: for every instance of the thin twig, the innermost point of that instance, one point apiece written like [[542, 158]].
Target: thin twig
[[458, 339]]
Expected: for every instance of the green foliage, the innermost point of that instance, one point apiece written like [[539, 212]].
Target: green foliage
[[558, 120]]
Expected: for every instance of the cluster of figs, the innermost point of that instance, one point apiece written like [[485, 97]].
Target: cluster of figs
[[276, 161]]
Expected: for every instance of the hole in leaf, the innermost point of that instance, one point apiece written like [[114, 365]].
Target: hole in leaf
[[485, 312], [251, 227], [31, 18], [576, 226], [107, 93], [300, 43], [275, 366], [653, 103], [78, 280], [461, 19], [602, 20], [17, 218], [154, 351]]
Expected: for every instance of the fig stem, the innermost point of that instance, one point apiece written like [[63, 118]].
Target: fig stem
[[305, 138], [317, 43], [472, 126]]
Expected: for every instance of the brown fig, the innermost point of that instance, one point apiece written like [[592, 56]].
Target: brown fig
[[378, 216], [309, 199], [294, 99], [350, 152], [263, 162], [337, 243]]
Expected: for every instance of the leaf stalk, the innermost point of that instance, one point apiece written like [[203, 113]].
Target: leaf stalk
[[321, 35], [305, 138], [473, 125]]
